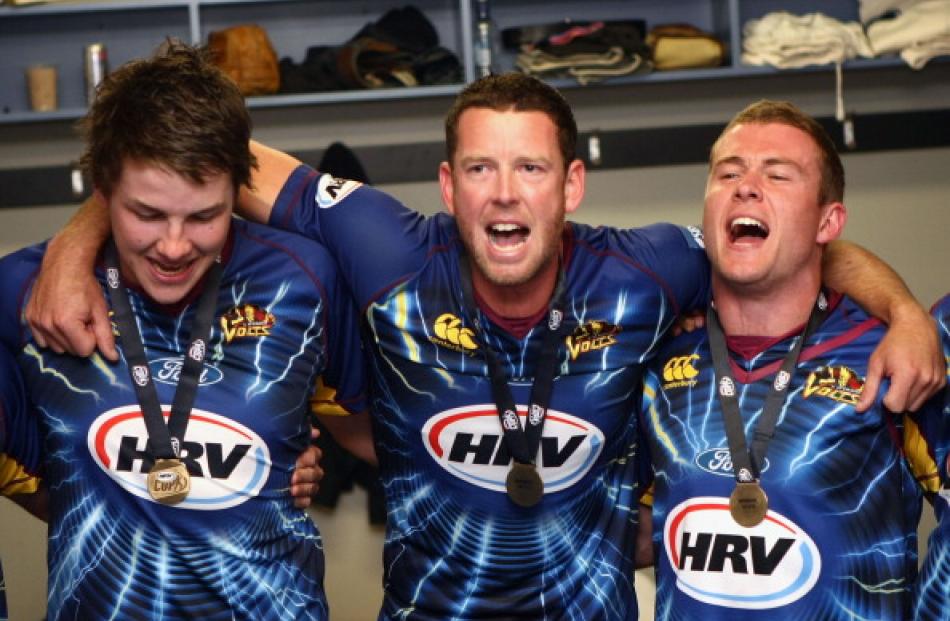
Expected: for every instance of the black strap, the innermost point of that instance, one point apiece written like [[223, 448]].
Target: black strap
[[523, 442], [746, 464], [163, 441]]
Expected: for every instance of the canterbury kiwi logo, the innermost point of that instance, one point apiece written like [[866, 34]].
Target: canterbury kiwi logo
[[679, 372], [450, 333]]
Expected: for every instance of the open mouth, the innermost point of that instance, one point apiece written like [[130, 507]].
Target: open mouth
[[507, 235], [745, 228], [170, 270]]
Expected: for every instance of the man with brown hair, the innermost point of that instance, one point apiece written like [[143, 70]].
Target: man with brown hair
[[169, 470], [773, 493], [504, 342]]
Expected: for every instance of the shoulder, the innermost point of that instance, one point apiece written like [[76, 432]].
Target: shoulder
[[941, 310], [633, 240], [18, 270], [261, 248]]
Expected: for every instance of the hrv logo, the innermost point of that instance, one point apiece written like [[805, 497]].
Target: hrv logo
[[469, 443], [228, 462], [719, 562]]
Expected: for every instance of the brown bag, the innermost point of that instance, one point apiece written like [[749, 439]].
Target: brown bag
[[246, 55], [682, 46]]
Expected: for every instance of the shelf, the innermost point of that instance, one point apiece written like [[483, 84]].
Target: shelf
[[56, 34]]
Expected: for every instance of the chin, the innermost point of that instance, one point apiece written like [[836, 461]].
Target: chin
[[165, 295]]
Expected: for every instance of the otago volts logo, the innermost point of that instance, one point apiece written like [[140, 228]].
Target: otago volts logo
[[450, 333], [679, 372], [839, 383], [246, 320], [591, 336]]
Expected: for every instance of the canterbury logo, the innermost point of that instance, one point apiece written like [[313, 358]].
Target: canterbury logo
[[679, 372], [838, 383], [591, 336], [450, 333]]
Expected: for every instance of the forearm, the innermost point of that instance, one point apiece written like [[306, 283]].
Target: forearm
[[354, 433], [80, 240], [869, 281], [273, 169]]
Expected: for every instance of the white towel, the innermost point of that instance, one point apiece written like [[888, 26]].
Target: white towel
[[919, 33], [784, 40], [869, 9]]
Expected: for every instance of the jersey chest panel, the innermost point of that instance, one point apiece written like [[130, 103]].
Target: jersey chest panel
[[841, 500], [236, 543]]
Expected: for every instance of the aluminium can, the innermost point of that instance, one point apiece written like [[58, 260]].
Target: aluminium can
[[96, 67]]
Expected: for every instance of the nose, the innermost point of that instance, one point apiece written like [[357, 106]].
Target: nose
[[748, 187], [505, 188], [174, 243]]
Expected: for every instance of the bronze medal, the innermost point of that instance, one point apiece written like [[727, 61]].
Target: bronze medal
[[168, 481], [748, 504], [524, 485]]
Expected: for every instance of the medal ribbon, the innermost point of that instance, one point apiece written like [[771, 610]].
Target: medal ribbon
[[163, 441], [746, 464], [522, 442]]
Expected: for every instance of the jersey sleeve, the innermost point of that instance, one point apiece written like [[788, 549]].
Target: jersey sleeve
[[676, 257], [20, 440], [341, 389], [927, 432], [17, 272], [375, 239]]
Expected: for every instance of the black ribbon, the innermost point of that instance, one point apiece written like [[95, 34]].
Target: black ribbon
[[746, 463], [164, 441], [522, 442]]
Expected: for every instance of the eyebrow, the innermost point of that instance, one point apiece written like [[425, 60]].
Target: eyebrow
[[134, 203], [772, 161]]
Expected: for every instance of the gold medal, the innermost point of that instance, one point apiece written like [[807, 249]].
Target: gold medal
[[524, 485], [748, 504], [168, 481]]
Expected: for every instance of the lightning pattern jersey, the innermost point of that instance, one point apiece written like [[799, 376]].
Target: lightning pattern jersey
[[839, 539], [20, 445], [933, 600], [235, 547], [456, 546]]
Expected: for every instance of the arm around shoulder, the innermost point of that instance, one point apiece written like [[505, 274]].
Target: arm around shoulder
[[67, 311], [910, 354]]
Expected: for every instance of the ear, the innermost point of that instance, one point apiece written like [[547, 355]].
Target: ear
[[445, 185], [833, 218], [574, 184], [100, 197]]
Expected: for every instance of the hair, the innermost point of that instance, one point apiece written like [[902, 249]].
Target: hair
[[175, 110], [831, 187], [520, 93]]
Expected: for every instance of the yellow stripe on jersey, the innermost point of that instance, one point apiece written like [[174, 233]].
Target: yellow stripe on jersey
[[919, 457], [323, 401], [14, 479], [647, 498]]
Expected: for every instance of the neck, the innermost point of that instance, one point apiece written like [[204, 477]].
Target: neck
[[518, 300], [765, 313]]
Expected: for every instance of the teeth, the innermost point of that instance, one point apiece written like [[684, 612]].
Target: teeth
[[505, 228], [745, 221], [744, 227]]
